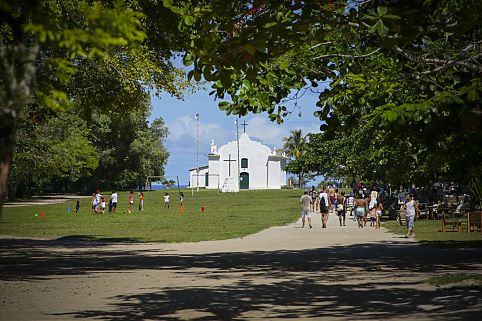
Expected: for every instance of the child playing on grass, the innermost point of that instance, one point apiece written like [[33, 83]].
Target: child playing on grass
[[94, 203], [77, 206], [141, 201], [131, 201], [166, 201], [181, 202], [102, 203]]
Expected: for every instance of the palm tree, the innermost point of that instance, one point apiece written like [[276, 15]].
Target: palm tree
[[294, 146]]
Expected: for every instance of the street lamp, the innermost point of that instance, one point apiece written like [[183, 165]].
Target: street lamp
[[237, 141], [197, 152]]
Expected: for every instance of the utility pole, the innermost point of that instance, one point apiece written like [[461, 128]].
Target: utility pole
[[197, 152], [237, 140]]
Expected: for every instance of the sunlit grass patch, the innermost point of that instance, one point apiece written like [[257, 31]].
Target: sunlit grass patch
[[227, 215]]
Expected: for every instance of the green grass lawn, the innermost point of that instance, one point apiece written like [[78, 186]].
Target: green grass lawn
[[227, 215], [427, 231]]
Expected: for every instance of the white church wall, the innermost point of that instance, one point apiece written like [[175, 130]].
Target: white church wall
[[224, 160], [283, 178], [214, 180], [193, 178], [276, 179], [255, 152]]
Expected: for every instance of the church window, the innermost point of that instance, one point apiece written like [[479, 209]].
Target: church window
[[244, 163]]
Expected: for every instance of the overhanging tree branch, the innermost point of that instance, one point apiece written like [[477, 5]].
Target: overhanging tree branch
[[443, 63], [348, 56]]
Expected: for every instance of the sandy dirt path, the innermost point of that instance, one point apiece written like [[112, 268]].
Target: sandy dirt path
[[338, 273]]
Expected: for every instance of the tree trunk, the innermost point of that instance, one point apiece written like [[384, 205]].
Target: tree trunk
[[7, 145], [18, 72]]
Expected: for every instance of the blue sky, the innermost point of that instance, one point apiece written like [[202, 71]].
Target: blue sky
[[179, 116]]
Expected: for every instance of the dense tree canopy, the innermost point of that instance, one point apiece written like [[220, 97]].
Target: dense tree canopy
[[85, 58], [398, 80]]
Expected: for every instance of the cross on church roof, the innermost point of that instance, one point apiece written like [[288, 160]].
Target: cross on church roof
[[244, 126]]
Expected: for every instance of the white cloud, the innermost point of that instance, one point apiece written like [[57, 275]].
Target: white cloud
[[311, 128], [269, 133], [186, 126]]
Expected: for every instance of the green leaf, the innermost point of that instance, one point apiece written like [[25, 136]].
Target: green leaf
[[197, 75], [382, 11], [391, 16], [379, 28], [167, 3], [177, 10], [187, 60], [223, 105], [189, 20], [226, 80], [270, 24]]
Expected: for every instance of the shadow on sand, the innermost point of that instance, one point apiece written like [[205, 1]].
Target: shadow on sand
[[364, 281]]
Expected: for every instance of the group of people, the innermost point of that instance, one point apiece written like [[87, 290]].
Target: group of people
[[98, 202], [326, 201], [181, 201], [362, 207]]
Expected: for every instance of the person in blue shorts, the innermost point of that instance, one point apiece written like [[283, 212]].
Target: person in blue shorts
[[361, 209]]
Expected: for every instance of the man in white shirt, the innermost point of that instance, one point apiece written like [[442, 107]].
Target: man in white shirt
[[114, 197]]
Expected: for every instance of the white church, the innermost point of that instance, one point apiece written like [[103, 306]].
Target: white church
[[259, 168]]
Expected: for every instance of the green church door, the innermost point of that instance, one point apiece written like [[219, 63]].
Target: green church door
[[244, 181], [206, 179]]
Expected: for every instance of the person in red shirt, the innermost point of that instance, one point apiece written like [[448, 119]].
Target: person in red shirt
[[141, 201]]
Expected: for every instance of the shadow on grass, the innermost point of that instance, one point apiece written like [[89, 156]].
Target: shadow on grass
[[105, 240], [325, 282], [453, 244]]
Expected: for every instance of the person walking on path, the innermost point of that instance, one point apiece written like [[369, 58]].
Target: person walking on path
[[332, 197], [372, 206], [373, 198], [131, 202], [350, 204], [114, 198], [340, 208], [166, 201], [306, 205], [324, 207], [412, 210], [313, 194], [361, 209], [379, 213]]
